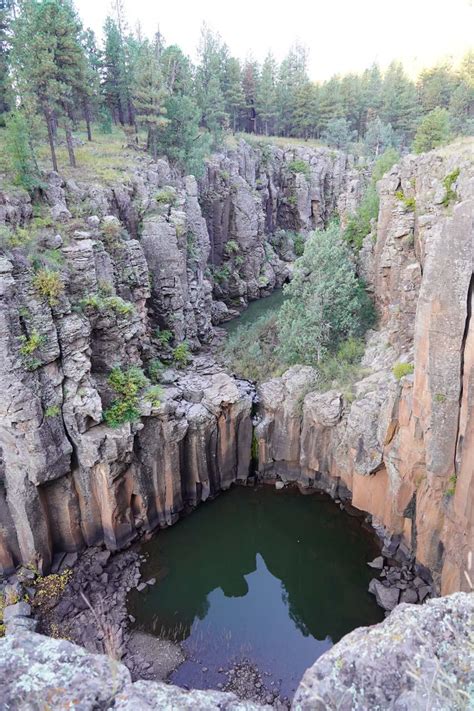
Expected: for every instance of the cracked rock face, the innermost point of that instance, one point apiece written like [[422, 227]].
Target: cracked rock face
[[404, 449]]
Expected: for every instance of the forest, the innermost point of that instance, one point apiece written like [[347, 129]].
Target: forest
[[55, 75]]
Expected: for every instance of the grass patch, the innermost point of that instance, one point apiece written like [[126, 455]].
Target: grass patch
[[127, 384], [49, 284]]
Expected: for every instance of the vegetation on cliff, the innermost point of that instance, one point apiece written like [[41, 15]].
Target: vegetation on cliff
[[326, 313]]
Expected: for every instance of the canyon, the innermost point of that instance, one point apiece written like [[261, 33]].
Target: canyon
[[163, 258]]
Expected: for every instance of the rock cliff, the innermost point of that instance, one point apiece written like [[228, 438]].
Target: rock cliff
[[400, 445], [100, 275], [418, 658]]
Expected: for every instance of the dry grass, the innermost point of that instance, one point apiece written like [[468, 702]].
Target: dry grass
[[282, 141], [110, 633]]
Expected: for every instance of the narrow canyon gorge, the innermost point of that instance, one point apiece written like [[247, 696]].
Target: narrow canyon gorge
[[160, 258]]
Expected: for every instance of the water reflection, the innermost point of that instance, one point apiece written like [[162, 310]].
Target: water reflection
[[274, 576]]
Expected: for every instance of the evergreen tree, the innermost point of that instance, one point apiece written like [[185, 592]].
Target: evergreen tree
[[117, 85], [435, 87], [399, 101], [209, 83], [49, 63], [150, 95], [266, 96], [250, 78], [433, 130], [338, 134], [379, 137], [292, 75], [233, 91], [5, 46], [21, 151]]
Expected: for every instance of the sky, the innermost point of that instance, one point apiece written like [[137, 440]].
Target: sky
[[341, 35]]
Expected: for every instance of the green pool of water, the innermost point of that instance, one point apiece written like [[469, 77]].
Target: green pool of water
[[273, 577], [254, 310]]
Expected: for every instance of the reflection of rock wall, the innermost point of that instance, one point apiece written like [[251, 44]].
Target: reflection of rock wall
[[404, 449], [430, 644]]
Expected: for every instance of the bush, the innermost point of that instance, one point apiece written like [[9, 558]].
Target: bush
[[401, 369], [52, 411], [232, 247], [451, 490], [298, 243], [29, 345], [409, 202], [48, 283], [359, 224], [181, 355], [251, 352], [109, 303], [155, 369], [448, 182], [166, 196], [299, 166], [163, 336], [154, 395], [127, 384]]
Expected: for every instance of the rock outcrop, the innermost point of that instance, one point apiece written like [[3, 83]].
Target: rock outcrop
[[257, 199], [400, 446], [418, 658]]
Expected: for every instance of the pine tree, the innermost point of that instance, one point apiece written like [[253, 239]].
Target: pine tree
[[5, 47], [209, 84], [266, 96], [21, 151], [399, 101], [233, 91], [150, 95], [433, 130], [49, 63]]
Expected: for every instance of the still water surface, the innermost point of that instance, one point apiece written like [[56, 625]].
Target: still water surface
[[274, 577]]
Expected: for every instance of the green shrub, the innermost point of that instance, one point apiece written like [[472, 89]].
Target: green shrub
[[359, 224], [299, 166], [451, 490], [401, 369], [111, 231], [448, 182], [127, 384], [440, 398], [221, 274], [163, 336], [298, 243], [181, 355], [155, 369], [29, 345], [48, 283], [154, 395], [52, 411], [383, 164], [409, 202], [110, 303], [251, 351], [232, 247], [166, 196]]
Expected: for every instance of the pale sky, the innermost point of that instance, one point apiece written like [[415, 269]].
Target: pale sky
[[341, 35]]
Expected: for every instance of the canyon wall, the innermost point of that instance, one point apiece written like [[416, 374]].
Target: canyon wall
[[400, 442], [101, 275]]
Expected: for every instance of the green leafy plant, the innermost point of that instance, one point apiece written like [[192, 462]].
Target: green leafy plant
[[221, 274], [298, 243], [163, 336], [181, 355], [448, 182], [401, 369], [127, 384], [52, 411], [29, 345], [48, 283], [299, 166], [110, 303], [232, 247], [440, 397], [450, 491], [409, 202], [154, 395], [166, 196], [155, 369]]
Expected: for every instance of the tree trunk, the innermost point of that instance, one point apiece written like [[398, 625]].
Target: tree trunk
[[87, 117], [70, 146], [49, 124]]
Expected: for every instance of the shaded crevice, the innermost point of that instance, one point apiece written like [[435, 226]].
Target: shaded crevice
[[459, 437]]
